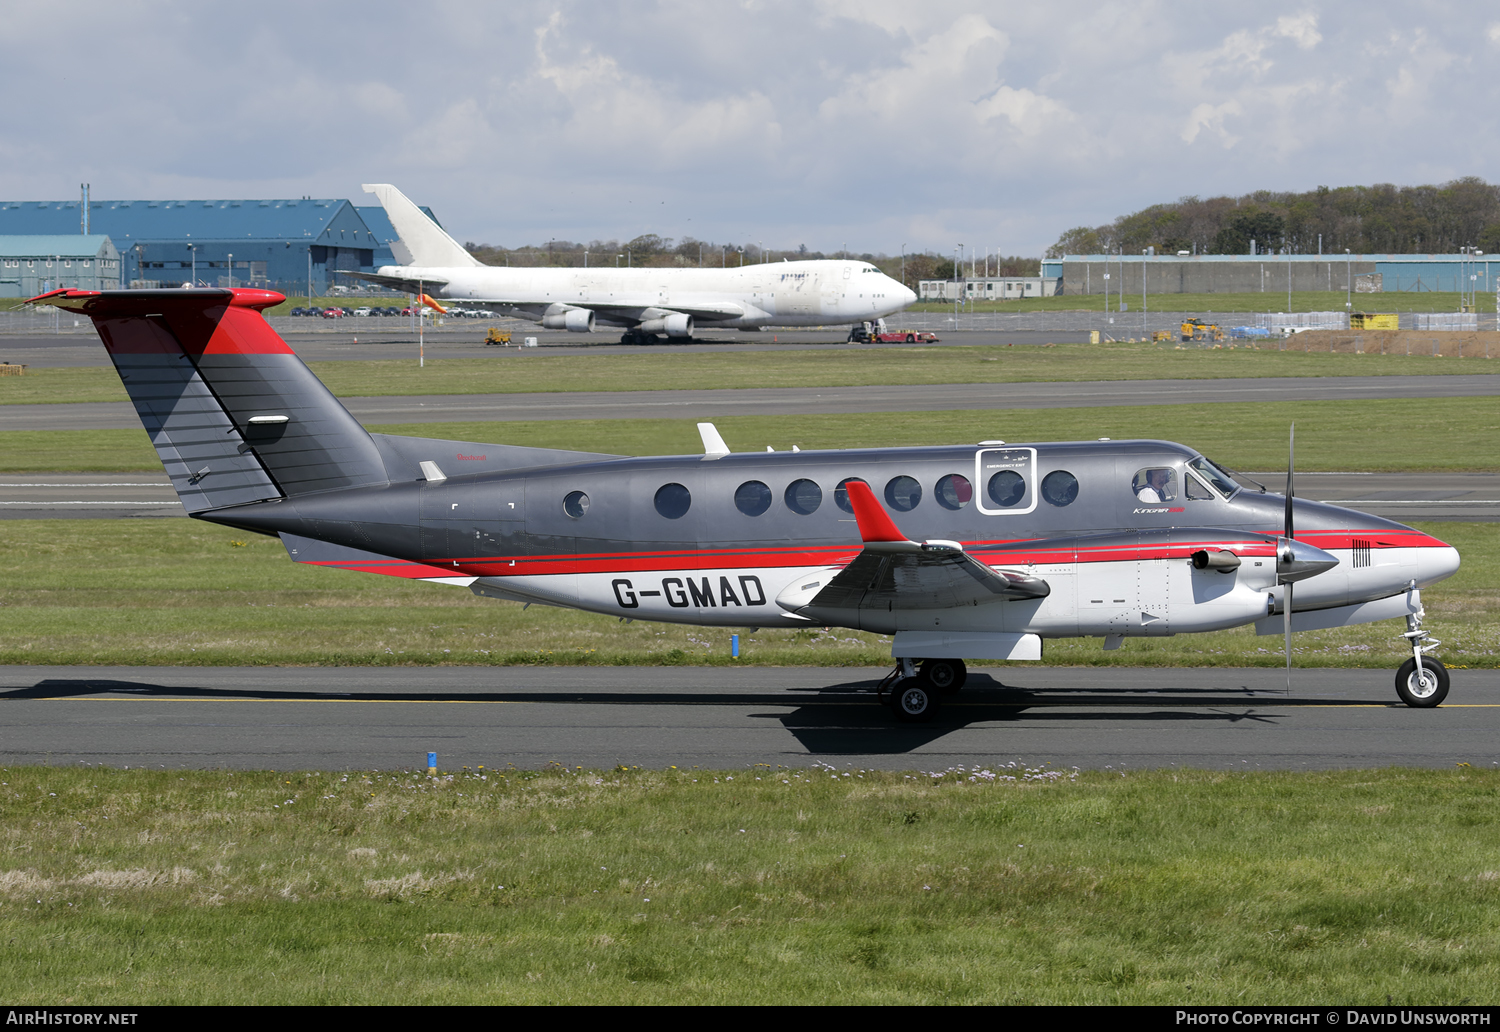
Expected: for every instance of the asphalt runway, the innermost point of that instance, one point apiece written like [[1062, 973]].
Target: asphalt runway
[[716, 404], [726, 718], [364, 342], [1447, 496]]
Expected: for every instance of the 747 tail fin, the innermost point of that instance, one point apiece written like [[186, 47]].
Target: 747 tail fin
[[422, 242]]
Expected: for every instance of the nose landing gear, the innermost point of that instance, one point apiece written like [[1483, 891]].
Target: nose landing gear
[[1422, 681]]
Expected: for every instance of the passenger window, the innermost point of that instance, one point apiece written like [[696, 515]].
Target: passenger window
[[803, 497], [954, 492], [673, 501], [903, 494], [1007, 488], [841, 493], [1155, 484], [752, 498], [1059, 488], [1196, 491]]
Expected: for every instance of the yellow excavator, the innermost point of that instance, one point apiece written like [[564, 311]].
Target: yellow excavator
[[1197, 329]]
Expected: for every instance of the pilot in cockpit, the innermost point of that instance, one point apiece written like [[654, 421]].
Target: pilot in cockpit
[[1155, 485]]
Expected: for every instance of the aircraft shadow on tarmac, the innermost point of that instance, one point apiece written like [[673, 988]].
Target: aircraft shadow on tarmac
[[838, 718]]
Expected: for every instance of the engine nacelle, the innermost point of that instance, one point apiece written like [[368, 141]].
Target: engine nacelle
[[674, 325], [574, 320]]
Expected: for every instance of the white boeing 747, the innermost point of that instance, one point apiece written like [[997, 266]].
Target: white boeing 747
[[646, 302]]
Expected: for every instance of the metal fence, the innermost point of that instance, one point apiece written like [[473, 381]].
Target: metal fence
[[1445, 321]]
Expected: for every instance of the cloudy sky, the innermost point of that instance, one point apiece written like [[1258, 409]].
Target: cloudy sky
[[871, 123]]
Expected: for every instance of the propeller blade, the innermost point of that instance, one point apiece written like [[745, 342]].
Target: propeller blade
[[1290, 457], [1286, 622]]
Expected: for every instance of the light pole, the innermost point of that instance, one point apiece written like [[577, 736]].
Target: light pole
[[903, 264], [585, 257], [617, 260], [1348, 282], [1143, 290], [193, 249], [958, 253], [231, 272]]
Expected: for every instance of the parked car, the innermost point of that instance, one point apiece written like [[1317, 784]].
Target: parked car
[[333, 313]]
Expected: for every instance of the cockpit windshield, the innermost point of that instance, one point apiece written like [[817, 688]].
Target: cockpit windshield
[[1222, 482]]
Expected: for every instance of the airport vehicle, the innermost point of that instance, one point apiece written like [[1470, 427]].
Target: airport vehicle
[[497, 336], [878, 334], [977, 551], [645, 302], [1197, 329]]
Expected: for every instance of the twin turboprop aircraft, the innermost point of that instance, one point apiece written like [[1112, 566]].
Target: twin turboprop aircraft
[[960, 552], [646, 302]]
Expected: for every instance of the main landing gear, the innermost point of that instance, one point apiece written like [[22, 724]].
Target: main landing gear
[[1422, 681], [634, 337], [916, 694]]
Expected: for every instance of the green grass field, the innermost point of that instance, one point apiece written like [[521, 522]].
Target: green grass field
[[1268, 301], [1008, 884], [522, 372], [185, 593], [1450, 433]]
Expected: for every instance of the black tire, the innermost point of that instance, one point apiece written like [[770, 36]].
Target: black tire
[[1431, 691], [911, 338], [916, 703], [945, 676]]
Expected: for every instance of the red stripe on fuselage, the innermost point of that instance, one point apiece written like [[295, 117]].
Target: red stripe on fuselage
[[991, 553]]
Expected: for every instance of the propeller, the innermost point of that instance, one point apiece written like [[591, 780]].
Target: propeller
[[1289, 534]]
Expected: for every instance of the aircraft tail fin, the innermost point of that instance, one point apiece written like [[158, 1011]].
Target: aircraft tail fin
[[422, 242], [234, 414]]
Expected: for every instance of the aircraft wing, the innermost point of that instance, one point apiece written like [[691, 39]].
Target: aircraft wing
[[631, 311], [894, 574], [398, 282]]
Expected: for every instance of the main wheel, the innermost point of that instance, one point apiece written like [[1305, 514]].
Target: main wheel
[[916, 703], [1426, 691], [911, 338], [946, 676]]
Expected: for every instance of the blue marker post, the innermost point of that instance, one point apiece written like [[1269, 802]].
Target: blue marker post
[[734, 646], [432, 764]]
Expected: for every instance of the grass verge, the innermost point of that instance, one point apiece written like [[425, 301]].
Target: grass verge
[[1011, 884], [184, 593], [1450, 433], [519, 371]]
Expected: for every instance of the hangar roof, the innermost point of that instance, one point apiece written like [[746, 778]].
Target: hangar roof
[[318, 221], [63, 245]]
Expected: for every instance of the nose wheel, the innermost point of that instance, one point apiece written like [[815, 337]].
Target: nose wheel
[[1422, 681], [1425, 688]]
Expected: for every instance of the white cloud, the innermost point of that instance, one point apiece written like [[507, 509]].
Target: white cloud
[[1211, 117], [1300, 28]]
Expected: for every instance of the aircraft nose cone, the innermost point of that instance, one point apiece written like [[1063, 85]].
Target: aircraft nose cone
[[907, 295]]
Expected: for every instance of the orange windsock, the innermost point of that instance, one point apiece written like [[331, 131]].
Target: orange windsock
[[430, 303]]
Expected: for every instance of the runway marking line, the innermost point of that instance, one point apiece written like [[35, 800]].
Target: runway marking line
[[800, 702]]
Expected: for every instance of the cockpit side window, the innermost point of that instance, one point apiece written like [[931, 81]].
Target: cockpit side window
[[1155, 484], [1196, 491], [1221, 481]]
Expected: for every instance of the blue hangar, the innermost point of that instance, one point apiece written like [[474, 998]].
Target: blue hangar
[[279, 244]]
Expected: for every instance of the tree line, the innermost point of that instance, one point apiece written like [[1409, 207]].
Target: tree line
[[1375, 219], [656, 252]]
